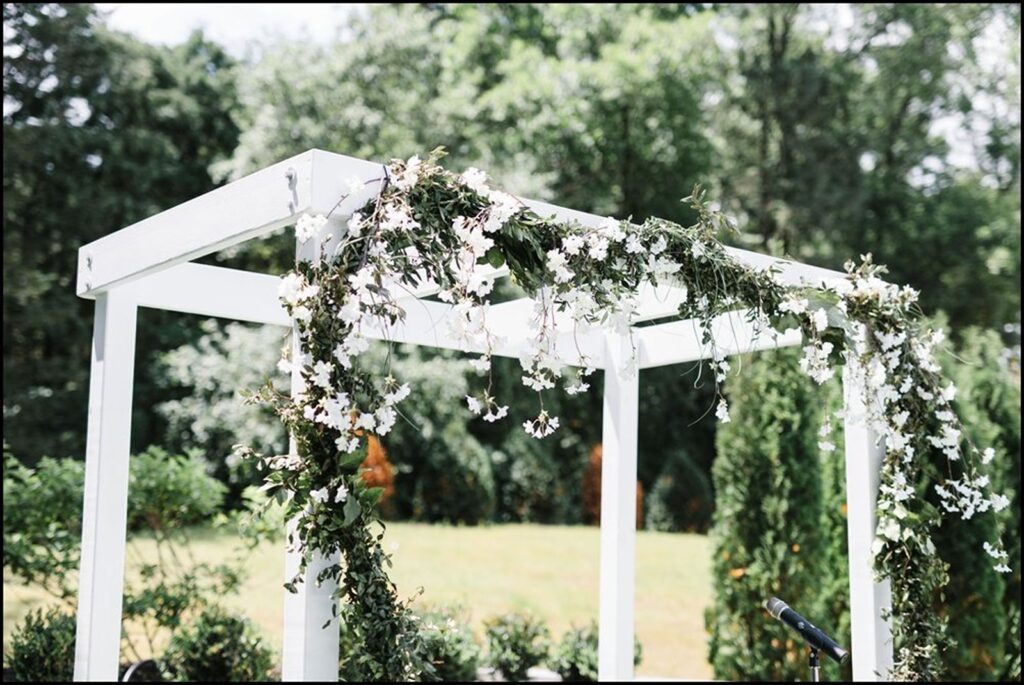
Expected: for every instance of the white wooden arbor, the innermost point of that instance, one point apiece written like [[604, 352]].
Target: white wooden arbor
[[147, 265]]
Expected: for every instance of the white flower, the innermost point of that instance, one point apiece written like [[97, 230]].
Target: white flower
[[826, 446], [346, 444], [1000, 502], [819, 319], [322, 374], [474, 405], [308, 226], [722, 411], [410, 174], [397, 395], [366, 420], [360, 279], [1002, 568], [385, 417], [988, 455], [284, 365], [572, 244], [598, 247], [794, 306], [320, 495], [633, 245], [476, 180], [293, 289], [611, 228], [355, 225], [697, 249], [494, 412], [342, 494], [355, 184]]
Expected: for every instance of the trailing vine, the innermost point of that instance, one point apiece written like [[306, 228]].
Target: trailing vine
[[426, 225]]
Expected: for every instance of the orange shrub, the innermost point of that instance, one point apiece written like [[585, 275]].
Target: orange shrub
[[592, 491]]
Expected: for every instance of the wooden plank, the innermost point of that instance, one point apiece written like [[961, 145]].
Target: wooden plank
[[213, 291], [872, 649], [310, 648], [244, 209], [104, 516], [679, 342], [618, 514]]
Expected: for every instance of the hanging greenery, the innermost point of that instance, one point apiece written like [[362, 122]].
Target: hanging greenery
[[426, 224]]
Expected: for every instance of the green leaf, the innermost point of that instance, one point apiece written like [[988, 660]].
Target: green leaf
[[352, 510]]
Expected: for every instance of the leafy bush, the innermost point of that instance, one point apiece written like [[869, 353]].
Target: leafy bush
[[516, 643], [449, 646], [218, 647], [681, 498], [456, 483], [42, 648], [767, 521], [979, 602], [575, 657], [43, 522], [225, 360], [171, 491], [527, 481]]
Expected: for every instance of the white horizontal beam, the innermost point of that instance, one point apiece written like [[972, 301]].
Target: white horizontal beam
[[247, 208], [427, 323], [678, 342], [212, 291]]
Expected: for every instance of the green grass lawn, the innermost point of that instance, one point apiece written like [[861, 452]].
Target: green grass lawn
[[551, 570]]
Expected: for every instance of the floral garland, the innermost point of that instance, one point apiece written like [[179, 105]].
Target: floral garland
[[426, 224]]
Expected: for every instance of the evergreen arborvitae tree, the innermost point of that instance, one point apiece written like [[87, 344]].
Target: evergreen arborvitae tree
[[766, 530], [833, 608], [980, 602]]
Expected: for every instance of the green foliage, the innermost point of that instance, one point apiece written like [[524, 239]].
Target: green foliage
[[218, 647], [681, 498], [43, 522], [516, 642], [833, 593], [167, 491], [100, 130], [42, 647], [981, 603], [456, 485], [766, 533], [225, 361], [575, 657], [528, 484], [449, 646]]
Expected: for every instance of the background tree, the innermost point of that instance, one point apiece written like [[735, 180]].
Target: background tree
[[766, 532], [100, 130]]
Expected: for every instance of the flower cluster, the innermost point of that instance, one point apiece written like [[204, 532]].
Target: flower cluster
[[429, 227]]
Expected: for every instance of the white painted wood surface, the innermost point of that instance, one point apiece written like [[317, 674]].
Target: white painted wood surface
[[618, 514], [871, 649], [105, 508], [310, 645]]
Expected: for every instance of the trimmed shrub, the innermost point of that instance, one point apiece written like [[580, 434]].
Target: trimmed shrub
[[218, 647], [681, 498], [42, 648], [979, 602], [456, 484], [766, 532], [448, 646], [171, 491], [377, 472], [527, 482], [516, 642], [592, 491], [575, 657], [43, 522]]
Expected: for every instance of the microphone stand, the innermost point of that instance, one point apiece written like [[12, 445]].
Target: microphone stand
[[815, 666]]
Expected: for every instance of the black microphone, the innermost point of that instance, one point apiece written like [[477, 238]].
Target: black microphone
[[812, 635]]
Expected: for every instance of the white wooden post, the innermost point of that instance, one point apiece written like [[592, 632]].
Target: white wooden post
[[872, 647], [310, 650], [105, 508], [618, 513]]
